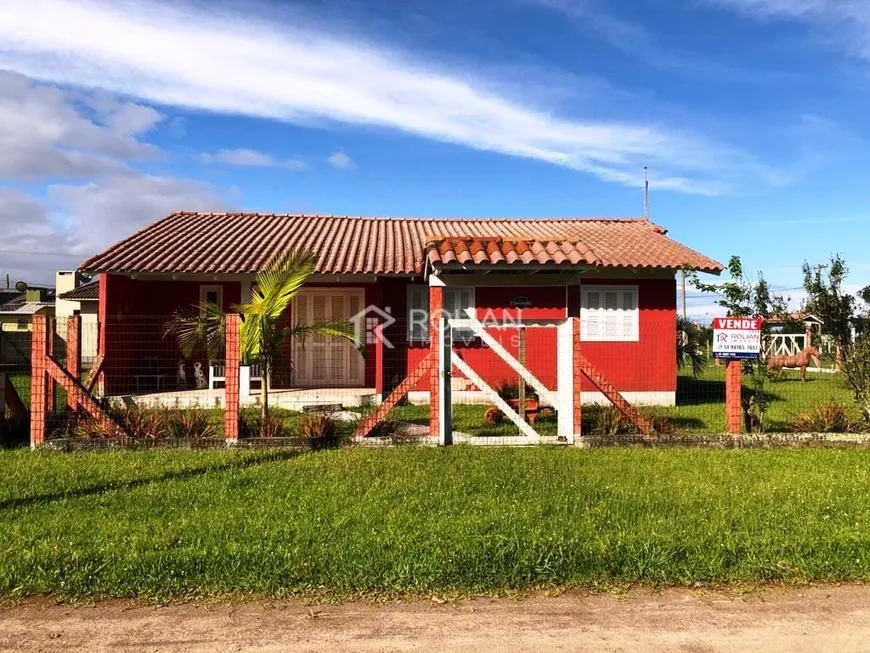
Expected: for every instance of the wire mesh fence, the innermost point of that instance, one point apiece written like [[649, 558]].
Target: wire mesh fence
[[505, 387]]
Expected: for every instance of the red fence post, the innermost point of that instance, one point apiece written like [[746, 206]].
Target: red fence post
[[74, 352], [436, 309], [734, 397], [231, 392], [39, 380]]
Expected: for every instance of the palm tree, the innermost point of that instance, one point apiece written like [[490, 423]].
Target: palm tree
[[690, 346], [262, 333]]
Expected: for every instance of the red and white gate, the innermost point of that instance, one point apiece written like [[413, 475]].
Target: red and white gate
[[564, 398]]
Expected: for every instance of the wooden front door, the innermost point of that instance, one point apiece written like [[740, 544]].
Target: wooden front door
[[327, 361]]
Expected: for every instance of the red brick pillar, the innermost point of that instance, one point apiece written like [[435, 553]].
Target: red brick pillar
[[39, 380], [231, 397], [73, 352], [733, 397], [578, 380], [436, 310]]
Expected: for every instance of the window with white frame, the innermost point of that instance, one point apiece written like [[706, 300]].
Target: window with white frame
[[211, 295], [456, 301], [609, 314]]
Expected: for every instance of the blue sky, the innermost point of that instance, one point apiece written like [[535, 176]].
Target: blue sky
[[751, 115]]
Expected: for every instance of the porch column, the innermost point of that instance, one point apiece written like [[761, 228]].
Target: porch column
[[231, 391], [39, 381], [733, 397], [436, 310], [73, 352]]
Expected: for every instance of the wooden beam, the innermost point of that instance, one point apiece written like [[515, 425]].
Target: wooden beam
[[492, 395], [422, 370], [94, 374]]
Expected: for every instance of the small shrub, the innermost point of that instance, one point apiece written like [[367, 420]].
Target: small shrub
[[192, 423], [272, 427], [511, 391], [85, 427], [321, 431], [607, 421], [250, 423], [146, 423], [493, 416], [828, 417]]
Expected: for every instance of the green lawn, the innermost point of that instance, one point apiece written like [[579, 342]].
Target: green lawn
[[701, 402], [422, 520]]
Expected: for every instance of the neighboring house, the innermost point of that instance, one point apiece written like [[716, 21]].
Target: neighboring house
[[618, 276], [79, 295], [16, 313]]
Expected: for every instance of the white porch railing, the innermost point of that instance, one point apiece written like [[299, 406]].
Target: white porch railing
[[786, 344], [248, 374]]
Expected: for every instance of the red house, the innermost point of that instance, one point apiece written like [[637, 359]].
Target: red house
[[618, 276]]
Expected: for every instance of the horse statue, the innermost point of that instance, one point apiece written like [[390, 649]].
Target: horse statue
[[801, 360]]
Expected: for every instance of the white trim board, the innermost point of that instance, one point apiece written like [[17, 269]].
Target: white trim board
[[591, 398]]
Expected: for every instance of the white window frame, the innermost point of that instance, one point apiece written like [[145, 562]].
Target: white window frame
[[205, 290], [626, 320], [462, 335]]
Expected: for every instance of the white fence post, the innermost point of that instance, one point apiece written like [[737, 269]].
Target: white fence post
[[565, 381]]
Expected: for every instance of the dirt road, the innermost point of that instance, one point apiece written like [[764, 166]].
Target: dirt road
[[820, 618]]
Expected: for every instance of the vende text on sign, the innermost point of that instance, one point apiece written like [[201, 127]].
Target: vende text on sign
[[737, 338]]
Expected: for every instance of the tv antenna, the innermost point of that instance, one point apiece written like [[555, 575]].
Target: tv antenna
[[645, 193]]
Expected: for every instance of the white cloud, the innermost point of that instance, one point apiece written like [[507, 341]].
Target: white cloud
[[77, 220], [115, 206], [251, 158], [341, 161], [84, 144], [236, 64], [846, 22], [43, 132]]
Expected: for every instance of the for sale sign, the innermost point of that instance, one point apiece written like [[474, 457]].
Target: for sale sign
[[737, 338]]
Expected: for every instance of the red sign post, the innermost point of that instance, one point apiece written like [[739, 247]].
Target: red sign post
[[736, 339]]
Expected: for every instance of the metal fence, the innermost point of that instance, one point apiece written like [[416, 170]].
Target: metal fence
[[507, 385]]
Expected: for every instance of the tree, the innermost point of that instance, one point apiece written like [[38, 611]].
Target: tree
[[743, 297], [827, 301], [690, 346], [262, 332], [856, 365]]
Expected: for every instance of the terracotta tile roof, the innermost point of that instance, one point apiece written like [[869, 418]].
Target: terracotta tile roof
[[509, 251], [236, 243]]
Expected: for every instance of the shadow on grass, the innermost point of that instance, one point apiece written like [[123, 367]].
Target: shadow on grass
[[696, 392], [688, 424], [184, 474], [699, 392]]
